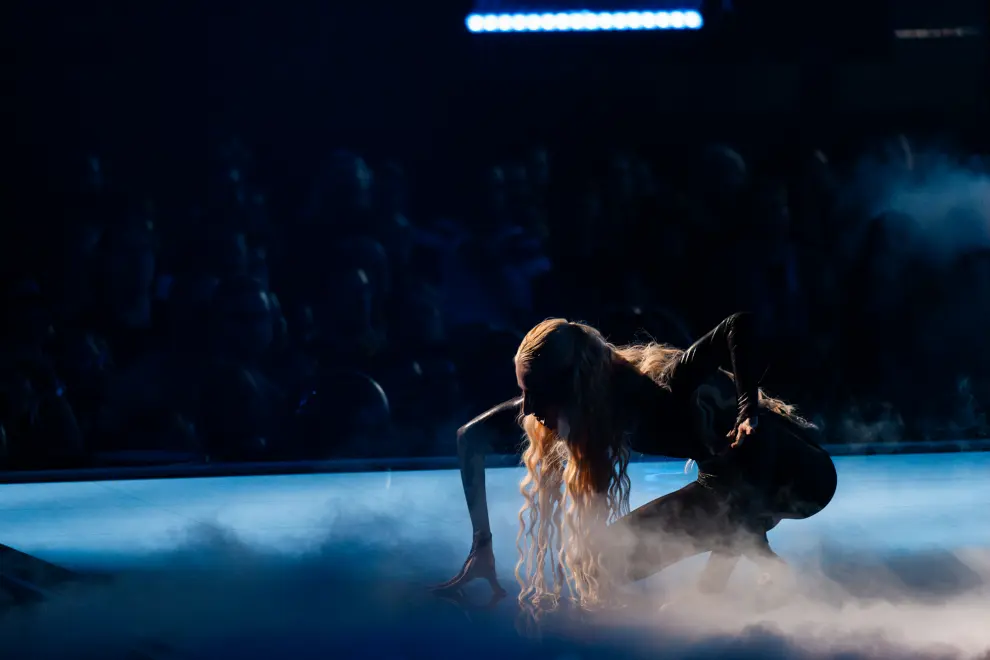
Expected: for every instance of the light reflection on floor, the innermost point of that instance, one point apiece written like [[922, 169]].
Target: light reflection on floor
[[895, 503], [336, 565]]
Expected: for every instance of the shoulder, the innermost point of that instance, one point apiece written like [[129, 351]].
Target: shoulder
[[503, 416], [737, 319]]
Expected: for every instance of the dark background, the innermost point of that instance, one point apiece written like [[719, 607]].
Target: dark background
[[166, 77], [154, 88]]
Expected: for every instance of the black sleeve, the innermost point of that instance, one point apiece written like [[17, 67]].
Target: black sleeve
[[733, 346]]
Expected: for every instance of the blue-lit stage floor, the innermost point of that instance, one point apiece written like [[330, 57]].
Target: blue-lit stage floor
[[310, 565]]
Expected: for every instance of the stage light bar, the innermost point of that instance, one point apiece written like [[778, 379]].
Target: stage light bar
[[586, 21]]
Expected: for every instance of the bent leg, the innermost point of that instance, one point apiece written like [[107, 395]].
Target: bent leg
[[804, 477], [782, 473], [717, 571], [687, 522]]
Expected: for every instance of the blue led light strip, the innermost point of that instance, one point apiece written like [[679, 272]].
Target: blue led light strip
[[586, 21]]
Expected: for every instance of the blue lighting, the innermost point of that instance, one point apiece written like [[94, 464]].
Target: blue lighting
[[586, 21]]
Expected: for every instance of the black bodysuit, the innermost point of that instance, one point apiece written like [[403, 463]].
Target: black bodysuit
[[700, 403], [779, 472], [687, 419]]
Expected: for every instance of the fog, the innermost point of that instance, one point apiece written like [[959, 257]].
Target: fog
[[362, 589]]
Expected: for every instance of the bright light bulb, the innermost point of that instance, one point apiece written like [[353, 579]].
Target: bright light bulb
[[585, 21]]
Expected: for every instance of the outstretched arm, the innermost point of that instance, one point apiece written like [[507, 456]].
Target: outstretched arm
[[474, 441], [732, 345]]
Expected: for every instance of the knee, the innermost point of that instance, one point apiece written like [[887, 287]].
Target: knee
[[812, 498], [828, 482], [816, 478]]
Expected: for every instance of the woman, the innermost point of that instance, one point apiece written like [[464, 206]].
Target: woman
[[586, 405]]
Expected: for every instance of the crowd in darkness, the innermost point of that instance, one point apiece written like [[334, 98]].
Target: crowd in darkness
[[352, 328]]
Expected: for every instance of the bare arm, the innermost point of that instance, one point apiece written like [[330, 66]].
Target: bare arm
[[474, 441]]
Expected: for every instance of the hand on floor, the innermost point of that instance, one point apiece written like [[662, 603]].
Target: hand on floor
[[480, 564]]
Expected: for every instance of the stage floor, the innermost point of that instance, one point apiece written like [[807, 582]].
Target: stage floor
[[415, 524], [893, 503]]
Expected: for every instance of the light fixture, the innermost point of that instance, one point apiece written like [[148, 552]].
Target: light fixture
[[586, 21]]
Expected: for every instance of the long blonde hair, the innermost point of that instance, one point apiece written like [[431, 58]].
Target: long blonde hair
[[575, 487]]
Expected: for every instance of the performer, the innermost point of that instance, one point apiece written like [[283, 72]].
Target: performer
[[586, 405]]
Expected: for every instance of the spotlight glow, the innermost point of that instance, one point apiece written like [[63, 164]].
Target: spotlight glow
[[586, 21], [475, 23]]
